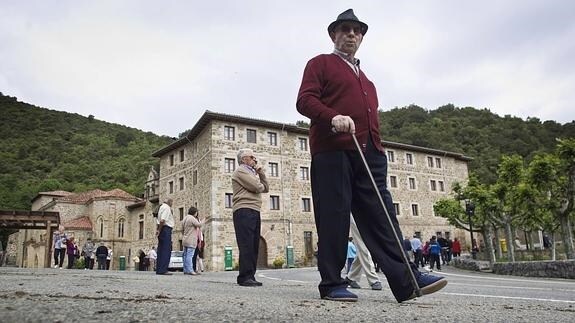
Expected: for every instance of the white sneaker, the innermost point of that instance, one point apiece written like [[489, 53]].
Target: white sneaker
[[55, 266]]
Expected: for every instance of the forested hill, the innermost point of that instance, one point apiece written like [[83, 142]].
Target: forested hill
[[45, 150], [480, 134]]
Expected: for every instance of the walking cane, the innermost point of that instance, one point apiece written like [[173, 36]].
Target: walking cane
[[416, 288]]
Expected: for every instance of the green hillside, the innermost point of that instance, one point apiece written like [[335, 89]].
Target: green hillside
[[480, 134], [43, 150]]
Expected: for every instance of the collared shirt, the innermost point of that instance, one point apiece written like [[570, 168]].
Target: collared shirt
[[352, 62], [415, 244], [165, 213]]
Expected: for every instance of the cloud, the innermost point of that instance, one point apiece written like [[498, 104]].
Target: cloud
[[159, 67]]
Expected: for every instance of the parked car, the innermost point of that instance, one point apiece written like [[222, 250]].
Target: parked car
[[176, 261]]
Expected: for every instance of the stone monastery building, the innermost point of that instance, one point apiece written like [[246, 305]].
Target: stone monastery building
[[196, 170]]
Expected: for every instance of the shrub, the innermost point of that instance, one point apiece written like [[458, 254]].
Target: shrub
[[278, 262]]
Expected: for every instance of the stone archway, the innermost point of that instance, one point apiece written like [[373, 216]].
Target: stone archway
[[263, 254]]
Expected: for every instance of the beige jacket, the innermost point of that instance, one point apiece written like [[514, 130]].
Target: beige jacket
[[190, 228], [247, 188]]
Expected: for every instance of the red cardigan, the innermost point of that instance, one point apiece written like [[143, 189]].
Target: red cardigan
[[330, 87]]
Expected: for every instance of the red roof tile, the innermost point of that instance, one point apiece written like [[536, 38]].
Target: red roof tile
[[81, 223]]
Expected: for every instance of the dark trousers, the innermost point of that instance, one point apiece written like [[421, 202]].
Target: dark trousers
[[418, 258], [164, 249], [340, 185], [434, 258], [88, 262], [247, 224], [71, 261], [102, 263], [195, 258], [59, 255]]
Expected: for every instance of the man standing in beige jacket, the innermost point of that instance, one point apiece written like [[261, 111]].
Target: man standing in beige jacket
[[248, 182]]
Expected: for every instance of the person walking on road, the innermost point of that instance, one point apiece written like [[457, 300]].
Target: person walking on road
[[248, 183], [351, 253], [417, 249], [340, 100], [165, 223]]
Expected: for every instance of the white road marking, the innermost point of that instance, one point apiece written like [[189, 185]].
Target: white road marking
[[512, 297]]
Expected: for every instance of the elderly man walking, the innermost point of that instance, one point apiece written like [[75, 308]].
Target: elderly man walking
[[248, 182], [166, 223], [340, 101]]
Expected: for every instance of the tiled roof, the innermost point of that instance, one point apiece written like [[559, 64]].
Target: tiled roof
[[52, 193], [81, 223], [85, 197], [56, 193]]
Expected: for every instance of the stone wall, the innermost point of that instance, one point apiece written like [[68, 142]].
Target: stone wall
[[549, 269]]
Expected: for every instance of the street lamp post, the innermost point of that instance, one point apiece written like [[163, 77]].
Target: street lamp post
[[470, 210]]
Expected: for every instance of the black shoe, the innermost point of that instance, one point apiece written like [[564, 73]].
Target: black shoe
[[250, 283]]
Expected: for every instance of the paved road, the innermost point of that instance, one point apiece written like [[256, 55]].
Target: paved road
[[288, 295]]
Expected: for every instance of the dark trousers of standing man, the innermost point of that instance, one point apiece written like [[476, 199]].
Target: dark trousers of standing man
[[340, 185], [247, 223], [164, 249]]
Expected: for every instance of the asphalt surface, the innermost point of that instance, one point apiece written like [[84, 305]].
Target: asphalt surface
[[288, 295]]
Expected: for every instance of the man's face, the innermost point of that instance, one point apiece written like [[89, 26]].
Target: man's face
[[347, 37], [250, 161]]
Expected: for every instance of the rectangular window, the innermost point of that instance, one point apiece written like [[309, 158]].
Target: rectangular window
[[274, 202], [430, 162], [229, 133], [437, 162], [412, 183], [302, 144], [390, 156], [228, 201], [171, 187], [181, 155], [181, 183], [306, 204], [393, 181], [304, 173], [409, 158], [433, 185], [195, 177], [274, 169], [141, 230], [229, 165], [251, 136], [414, 210], [396, 208], [181, 211], [441, 186], [273, 138], [172, 160], [121, 228]]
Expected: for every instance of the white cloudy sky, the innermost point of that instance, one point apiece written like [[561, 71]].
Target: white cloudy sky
[[158, 65]]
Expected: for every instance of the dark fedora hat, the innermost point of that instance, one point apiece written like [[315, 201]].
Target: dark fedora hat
[[347, 15]]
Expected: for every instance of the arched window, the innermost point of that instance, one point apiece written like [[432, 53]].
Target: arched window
[[121, 227], [101, 227]]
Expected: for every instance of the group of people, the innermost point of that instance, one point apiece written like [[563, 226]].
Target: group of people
[[64, 244], [436, 252], [192, 241]]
